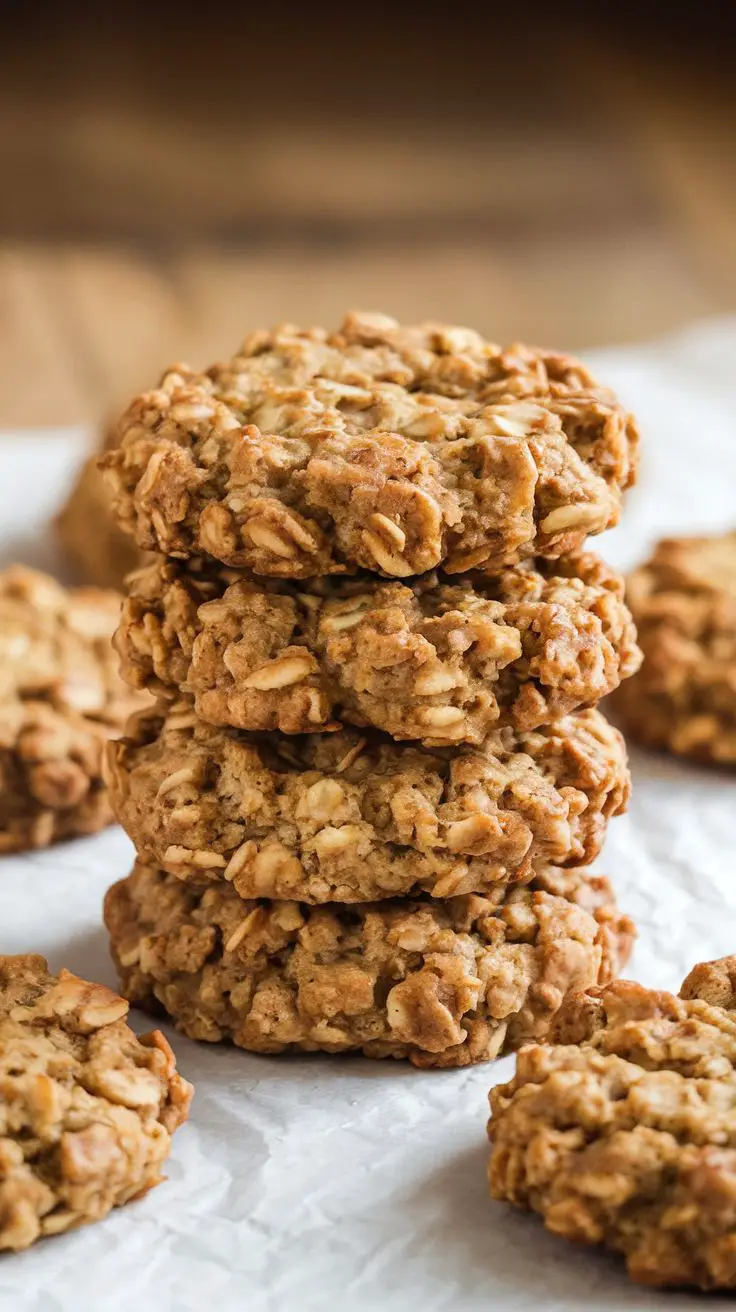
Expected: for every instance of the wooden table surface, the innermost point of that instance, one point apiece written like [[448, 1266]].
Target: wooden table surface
[[168, 184]]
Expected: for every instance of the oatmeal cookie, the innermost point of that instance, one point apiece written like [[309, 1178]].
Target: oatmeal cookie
[[624, 1132], [340, 817], [439, 661], [87, 1109], [684, 603], [60, 699], [98, 550], [440, 983], [377, 446]]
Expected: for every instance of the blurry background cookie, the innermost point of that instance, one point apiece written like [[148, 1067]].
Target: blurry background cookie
[[97, 550], [684, 604], [60, 699]]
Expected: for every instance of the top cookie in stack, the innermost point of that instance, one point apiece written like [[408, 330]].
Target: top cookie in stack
[[376, 645], [396, 450]]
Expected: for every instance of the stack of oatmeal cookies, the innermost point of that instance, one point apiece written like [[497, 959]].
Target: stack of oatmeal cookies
[[366, 798]]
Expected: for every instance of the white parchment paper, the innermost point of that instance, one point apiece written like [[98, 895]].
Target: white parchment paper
[[329, 1183]]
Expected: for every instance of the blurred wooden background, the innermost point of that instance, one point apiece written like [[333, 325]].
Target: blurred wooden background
[[174, 176]]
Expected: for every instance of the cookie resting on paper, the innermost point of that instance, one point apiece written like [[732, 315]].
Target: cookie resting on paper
[[388, 448], [87, 1109], [440, 983], [60, 698], [622, 1132], [684, 604], [340, 817], [441, 660]]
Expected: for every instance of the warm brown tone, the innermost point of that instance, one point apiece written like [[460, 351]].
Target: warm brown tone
[[441, 660], [149, 207], [340, 817], [87, 1109], [684, 603], [629, 1139], [440, 983], [97, 550], [341, 727], [60, 699], [396, 449]]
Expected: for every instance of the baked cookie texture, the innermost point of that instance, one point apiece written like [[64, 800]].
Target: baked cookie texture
[[345, 817], [440, 983], [623, 1131], [87, 1109], [439, 660], [97, 549], [60, 699], [684, 604], [392, 449]]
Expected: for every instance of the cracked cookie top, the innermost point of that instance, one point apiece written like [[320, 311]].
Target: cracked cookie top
[[387, 448], [87, 1109], [349, 817], [440, 983], [442, 660], [623, 1131]]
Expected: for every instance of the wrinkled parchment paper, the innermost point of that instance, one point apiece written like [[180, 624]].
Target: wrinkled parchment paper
[[329, 1183]]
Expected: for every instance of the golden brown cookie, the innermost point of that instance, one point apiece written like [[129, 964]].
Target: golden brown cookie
[[340, 817], [440, 983], [684, 604], [60, 699], [439, 660], [97, 549], [623, 1132], [380, 447], [87, 1109]]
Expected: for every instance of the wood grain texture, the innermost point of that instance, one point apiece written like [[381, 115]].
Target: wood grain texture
[[170, 183]]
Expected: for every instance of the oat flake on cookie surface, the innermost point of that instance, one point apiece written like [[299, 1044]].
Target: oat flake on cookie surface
[[441, 983], [393, 449], [442, 659], [87, 1109], [621, 1131], [350, 817]]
